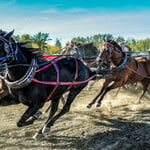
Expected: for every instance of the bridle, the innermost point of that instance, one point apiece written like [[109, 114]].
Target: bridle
[[109, 59], [8, 48]]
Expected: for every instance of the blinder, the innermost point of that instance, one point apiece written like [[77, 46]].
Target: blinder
[[8, 48]]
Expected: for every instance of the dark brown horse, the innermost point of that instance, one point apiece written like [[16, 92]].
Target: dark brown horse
[[86, 52], [120, 70]]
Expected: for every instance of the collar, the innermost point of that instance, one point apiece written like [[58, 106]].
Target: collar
[[122, 64], [25, 80]]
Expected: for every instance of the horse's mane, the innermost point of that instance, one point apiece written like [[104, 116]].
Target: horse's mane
[[31, 52]]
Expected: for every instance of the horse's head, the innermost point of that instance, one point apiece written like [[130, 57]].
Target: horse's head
[[110, 54], [73, 48], [7, 47]]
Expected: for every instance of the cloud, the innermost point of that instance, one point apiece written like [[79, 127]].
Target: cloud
[[56, 10], [66, 26]]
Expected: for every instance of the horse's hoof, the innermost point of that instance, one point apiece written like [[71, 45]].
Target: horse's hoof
[[38, 136], [98, 104], [45, 130], [20, 124], [88, 106]]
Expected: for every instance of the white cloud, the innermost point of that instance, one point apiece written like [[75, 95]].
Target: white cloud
[[67, 26], [56, 10]]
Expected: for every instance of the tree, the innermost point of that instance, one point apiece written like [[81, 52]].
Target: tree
[[25, 37], [120, 39], [41, 39], [16, 37], [58, 43]]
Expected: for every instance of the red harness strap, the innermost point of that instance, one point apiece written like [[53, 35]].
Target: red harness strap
[[56, 86], [51, 56], [57, 83]]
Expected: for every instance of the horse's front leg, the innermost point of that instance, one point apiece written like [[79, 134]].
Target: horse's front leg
[[107, 89], [105, 85], [31, 110], [97, 96]]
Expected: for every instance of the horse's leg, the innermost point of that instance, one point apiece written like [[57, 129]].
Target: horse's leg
[[145, 84], [31, 110], [73, 93], [105, 84], [107, 89], [54, 107], [97, 96], [63, 98], [118, 90]]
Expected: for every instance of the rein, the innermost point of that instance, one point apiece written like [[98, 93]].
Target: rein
[[136, 72]]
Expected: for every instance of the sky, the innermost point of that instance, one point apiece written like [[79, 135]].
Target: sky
[[65, 19]]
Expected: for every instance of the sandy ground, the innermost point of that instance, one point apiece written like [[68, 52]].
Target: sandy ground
[[119, 124]]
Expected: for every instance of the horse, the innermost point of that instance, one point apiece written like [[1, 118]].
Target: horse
[[120, 70], [86, 52], [34, 80]]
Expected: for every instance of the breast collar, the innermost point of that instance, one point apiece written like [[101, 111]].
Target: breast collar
[[25, 80]]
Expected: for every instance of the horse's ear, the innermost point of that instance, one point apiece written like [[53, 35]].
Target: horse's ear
[[9, 34]]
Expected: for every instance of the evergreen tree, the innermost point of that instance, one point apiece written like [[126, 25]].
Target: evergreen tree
[[58, 43]]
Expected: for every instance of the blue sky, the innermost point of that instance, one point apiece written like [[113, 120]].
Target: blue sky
[[65, 19]]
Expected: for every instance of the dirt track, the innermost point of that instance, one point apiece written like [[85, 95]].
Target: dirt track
[[119, 124]]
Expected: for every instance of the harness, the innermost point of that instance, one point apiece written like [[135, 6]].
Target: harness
[[122, 64], [33, 69], [31, 72], [58, 82], [25, 80], [86, 59]]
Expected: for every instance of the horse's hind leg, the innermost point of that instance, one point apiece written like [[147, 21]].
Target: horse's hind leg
[[54, 107], [73, 93]]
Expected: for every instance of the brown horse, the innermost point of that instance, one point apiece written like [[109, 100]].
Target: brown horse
[[121, 70]]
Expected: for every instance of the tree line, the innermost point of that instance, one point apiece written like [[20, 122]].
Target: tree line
[[40, 40], [135, 45]]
